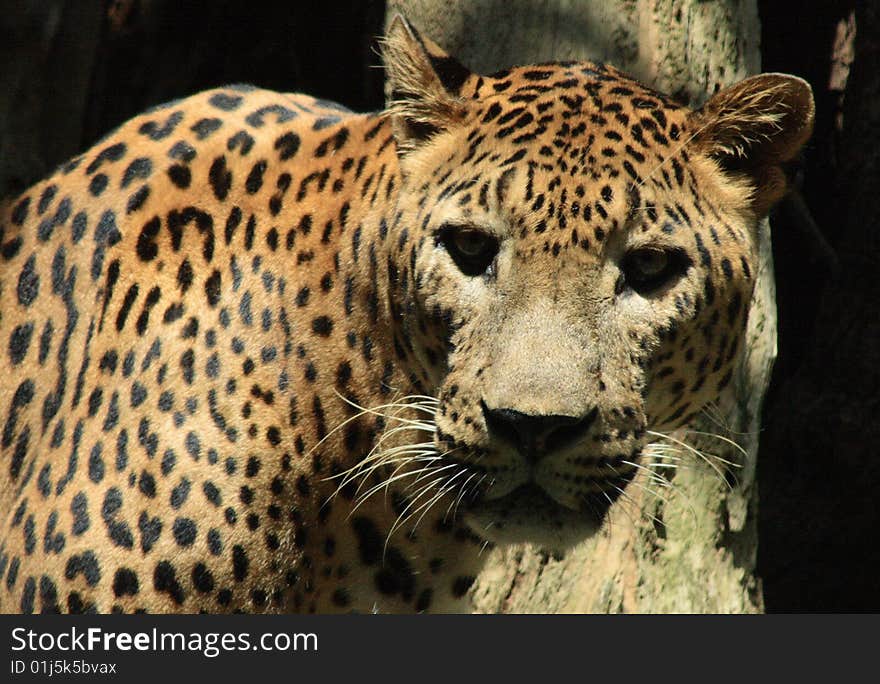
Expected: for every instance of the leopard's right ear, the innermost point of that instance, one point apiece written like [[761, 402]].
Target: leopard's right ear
[[422, 86]]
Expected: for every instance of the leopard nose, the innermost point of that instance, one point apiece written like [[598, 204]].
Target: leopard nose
[[536, 435]]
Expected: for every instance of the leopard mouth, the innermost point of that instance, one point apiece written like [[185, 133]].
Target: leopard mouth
[[529, 514], [533, 502]]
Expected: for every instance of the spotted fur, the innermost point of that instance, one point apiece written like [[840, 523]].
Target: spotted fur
[[251, 363]]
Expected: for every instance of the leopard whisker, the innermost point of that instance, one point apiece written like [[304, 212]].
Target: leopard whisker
[[363, 478], [443, 482], [384, 485], [609, 519], [401, 461], [704, 457], [464, 492], [363, 470], [384, 411], [655, 478], [401, 520], [443, 491], [730, 442], [419, 450], [435, 470], [640, 508]]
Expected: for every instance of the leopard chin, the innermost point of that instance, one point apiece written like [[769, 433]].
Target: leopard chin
[[529, 515]]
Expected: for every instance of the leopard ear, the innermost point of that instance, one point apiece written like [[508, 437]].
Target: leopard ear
[[422, 86], [753, 127]]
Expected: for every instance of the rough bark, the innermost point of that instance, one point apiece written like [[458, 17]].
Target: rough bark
[[689, 547]]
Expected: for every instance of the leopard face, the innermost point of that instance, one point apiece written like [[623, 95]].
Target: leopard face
[[264, 354]]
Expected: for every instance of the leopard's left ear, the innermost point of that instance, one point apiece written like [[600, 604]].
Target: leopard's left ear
[[753, 127], [422, 86]]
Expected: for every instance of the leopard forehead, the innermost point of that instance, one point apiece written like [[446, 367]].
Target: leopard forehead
[[565, 155], [577, 115]]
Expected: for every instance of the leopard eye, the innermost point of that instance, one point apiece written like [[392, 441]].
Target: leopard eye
[[649, 268], [472, 250]]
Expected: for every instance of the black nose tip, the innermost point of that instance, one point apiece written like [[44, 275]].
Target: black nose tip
[[536, 435]]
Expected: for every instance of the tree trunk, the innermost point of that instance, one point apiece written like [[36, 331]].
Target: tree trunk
[[689, 546]]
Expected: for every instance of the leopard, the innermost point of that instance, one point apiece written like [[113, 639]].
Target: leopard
[[264, 354]]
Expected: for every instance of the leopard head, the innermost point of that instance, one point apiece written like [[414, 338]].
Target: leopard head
[[573, 257]]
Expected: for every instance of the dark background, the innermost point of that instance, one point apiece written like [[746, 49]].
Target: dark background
[[74, 69]]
